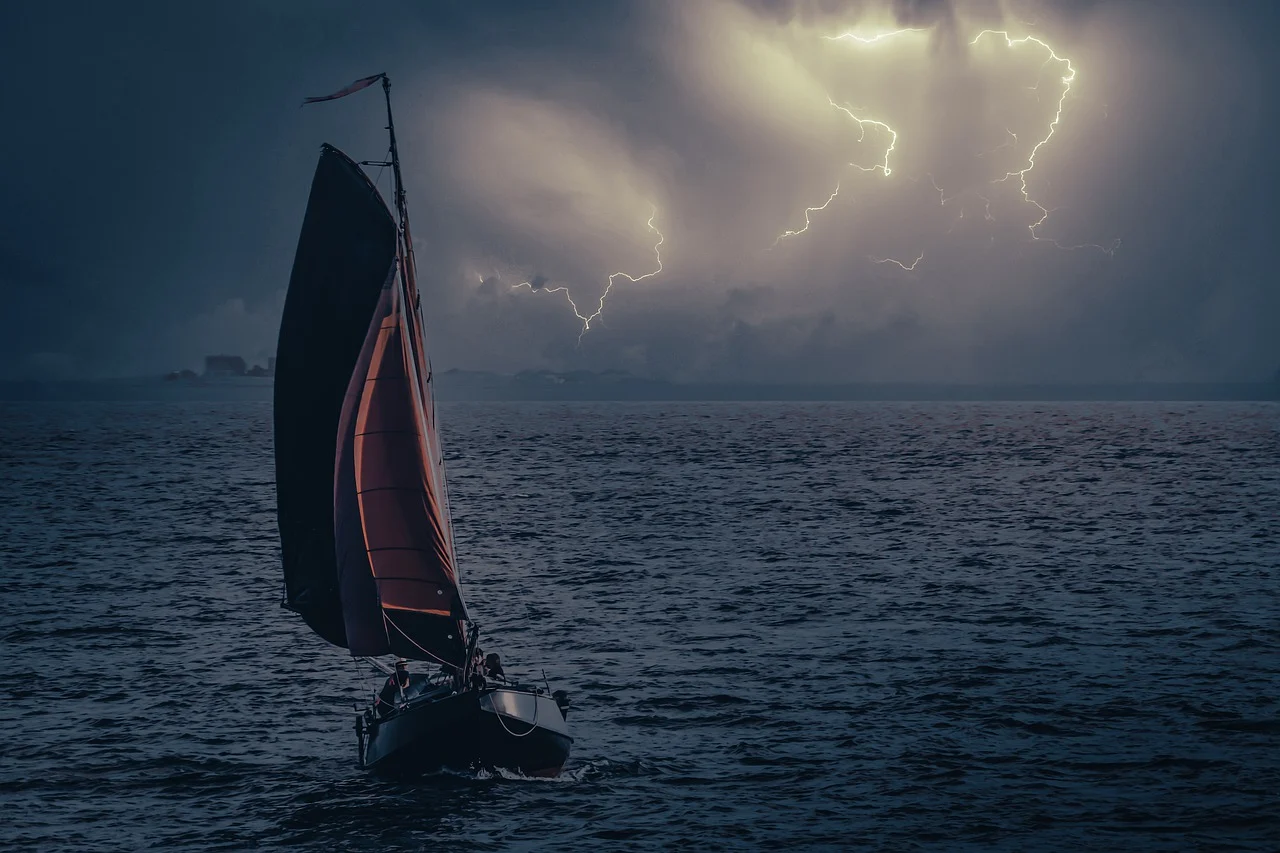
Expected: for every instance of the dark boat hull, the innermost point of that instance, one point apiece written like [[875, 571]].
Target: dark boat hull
[[506, 728]]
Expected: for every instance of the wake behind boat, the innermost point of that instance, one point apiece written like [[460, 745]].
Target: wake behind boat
[[366, 534]]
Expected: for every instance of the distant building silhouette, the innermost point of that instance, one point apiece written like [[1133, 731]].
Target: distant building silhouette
[[224, 365], [263, 372]]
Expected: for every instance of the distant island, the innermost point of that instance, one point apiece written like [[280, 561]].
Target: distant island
[[231, 378], [224, 367], [464, 385]]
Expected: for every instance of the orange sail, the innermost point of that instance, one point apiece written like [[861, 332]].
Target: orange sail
[[391, 509], [375, 569]]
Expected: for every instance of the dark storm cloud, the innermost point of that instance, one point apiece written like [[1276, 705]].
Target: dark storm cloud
[[160, 165], [921, 13], [807, 11]]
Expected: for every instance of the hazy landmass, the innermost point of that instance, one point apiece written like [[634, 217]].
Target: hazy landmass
[[617, 385]]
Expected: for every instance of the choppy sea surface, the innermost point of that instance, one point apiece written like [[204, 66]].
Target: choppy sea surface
[[831, 626]]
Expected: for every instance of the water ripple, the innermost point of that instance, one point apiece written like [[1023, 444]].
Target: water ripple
[[831, 626]]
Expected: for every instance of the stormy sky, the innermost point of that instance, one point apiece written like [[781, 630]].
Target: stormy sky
[[157, 165]]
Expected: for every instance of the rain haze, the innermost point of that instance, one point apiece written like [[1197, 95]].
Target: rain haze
[[792, 191]]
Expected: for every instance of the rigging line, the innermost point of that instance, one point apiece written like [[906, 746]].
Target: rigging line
[[375, 664], [410, 267], [381, 169], [362, 675], [427, 395], [386, 618]]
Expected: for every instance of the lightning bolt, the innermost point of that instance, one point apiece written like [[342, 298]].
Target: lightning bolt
[[879, 37], [862, 134], [879, 167], [1067, 79], [587, 318], [942, 194], [987, 211], [1008, 143], [808, 210], [943, 199], [883, 166], [897, 262]]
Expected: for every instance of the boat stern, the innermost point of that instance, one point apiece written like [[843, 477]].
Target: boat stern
[[528, 728]]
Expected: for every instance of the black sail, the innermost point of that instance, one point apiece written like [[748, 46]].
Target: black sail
[[347, 246]]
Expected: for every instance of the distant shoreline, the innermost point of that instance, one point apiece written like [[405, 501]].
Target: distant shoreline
[[548, 387]]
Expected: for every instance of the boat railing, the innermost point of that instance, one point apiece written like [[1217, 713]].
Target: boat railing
[[433, 689]]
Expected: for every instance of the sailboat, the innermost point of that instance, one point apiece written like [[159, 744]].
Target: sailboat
[[366, 536]]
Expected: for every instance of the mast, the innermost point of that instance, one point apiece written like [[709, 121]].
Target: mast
[[409, 270], [409, 283], [378, 524]]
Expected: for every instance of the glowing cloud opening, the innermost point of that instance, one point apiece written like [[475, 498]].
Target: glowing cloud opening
[[1066, 79]]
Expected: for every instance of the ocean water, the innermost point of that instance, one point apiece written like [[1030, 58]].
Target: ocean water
[[832, 626]]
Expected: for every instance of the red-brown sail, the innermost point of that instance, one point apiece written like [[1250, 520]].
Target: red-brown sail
[[393, 467], [387, 582]]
